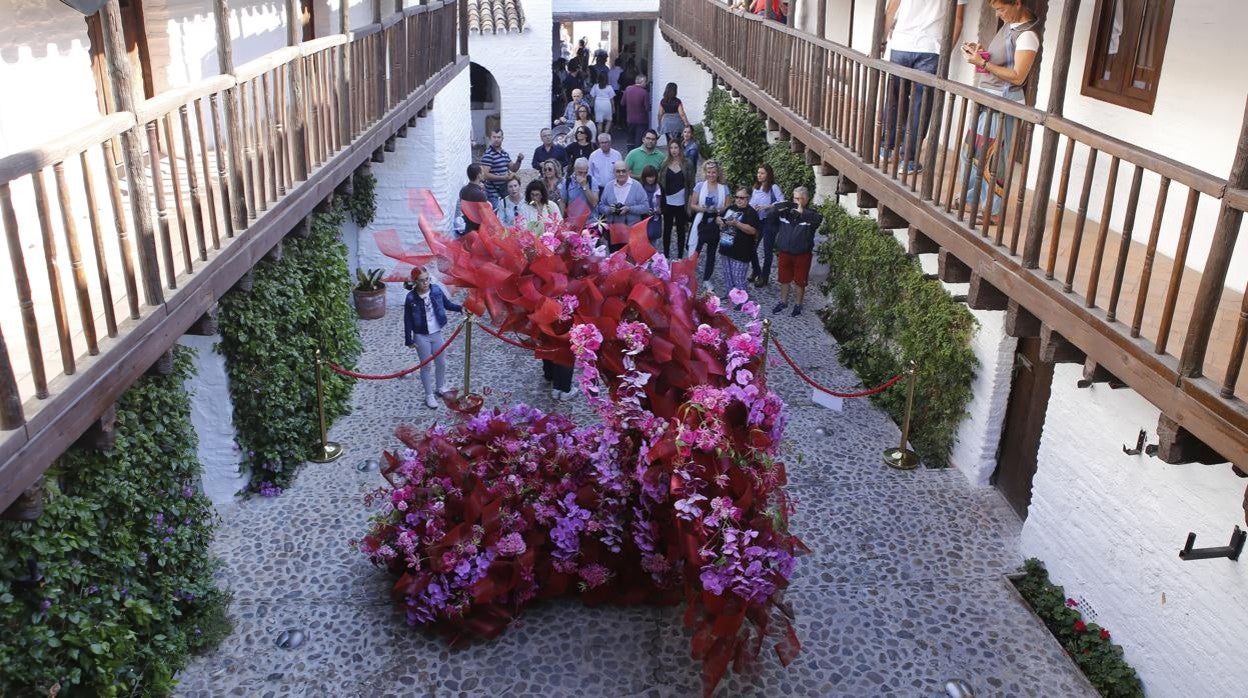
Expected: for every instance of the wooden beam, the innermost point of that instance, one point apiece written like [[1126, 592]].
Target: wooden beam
[[951, 270], [812, 157], [796, 147], [866, 199], [1177, 445], [982, 295], [207, 325], [102, 434], [163, 366], [379, 154], [402, 132], [275, 253], [1095, 373], [918, 243], [888, 218], [1019, 322], [772, 125], [845, 185], [827, 169], [119, 71], [1060, 70], [1056, 350], [26, 506], [302, 229], [390, 145]]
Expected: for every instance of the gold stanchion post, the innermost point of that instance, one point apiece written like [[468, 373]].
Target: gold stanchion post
[[328, 451], [766, 342], [901, 457], [467, 356]]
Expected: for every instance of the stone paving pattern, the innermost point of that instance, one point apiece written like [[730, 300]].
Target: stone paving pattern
[[904, 588]]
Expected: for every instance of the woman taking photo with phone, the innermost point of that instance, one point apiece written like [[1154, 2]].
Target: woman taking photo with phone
[[1002, 67]]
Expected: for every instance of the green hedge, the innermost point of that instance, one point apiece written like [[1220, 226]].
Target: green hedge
[[790, 168], [884, 314], [740, 138], [1087, 643], [122, 547], [269, 336]]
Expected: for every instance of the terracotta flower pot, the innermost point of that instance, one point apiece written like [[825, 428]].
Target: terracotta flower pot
[[370, 305]]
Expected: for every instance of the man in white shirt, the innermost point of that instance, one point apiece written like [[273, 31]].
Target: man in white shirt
[[602, 161], [914, 30]]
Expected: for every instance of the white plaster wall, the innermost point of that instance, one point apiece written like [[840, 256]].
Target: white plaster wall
[[1109, 527], [975, 446], [214, 424], [434, 156], [692, 82], [601, 7], [520, 63]]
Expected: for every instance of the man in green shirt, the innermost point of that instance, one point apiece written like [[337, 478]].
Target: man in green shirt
[[646, 154]]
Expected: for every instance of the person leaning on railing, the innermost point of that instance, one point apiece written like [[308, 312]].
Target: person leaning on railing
[[1003, 67]]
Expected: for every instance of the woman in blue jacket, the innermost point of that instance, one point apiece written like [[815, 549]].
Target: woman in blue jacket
[[424, 316]]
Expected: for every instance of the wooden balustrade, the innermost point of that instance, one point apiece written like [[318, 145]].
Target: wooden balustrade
[[215, 160], [843, 103]]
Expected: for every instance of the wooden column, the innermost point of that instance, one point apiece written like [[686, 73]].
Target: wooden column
[[866, 146], [295, 111], [463, 27], [132, 151], [1213, 278], [938, 101], [791, 19], [1048, 151], [11, 416], [821, 22], [233, 115], [344, 68]]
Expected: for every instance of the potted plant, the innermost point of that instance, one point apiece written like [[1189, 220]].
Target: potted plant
[[370, 294]]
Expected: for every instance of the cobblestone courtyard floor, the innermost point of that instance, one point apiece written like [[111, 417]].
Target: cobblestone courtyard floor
[[903, 591]]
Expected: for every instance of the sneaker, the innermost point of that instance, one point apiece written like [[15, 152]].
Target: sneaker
[[563, 396], [884, 154], [779, 308], [797, 310], [431, 402], [707, 285], [554, 393], [760, 283], [912, 167], [444, 391]]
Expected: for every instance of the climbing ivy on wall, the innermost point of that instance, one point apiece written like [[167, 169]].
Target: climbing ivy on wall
[[269, 336], [884, 313], [110, 590]]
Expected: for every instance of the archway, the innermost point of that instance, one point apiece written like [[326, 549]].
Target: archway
[[486, 102]]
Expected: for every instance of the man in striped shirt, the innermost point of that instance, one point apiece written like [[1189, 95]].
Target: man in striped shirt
[[498, 167]]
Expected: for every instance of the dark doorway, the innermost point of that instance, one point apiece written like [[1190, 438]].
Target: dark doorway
[[1024, 422], [135, 37]]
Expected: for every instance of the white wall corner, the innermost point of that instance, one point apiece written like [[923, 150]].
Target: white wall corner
[[219, 457], [975, 445]]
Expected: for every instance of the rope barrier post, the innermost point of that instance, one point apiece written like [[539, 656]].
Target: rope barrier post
[[766, 341], [467, 357], [328, 451], [901, 457]]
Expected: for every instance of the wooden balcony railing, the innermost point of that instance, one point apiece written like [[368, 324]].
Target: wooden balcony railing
[[229, 165], [1111, 275]]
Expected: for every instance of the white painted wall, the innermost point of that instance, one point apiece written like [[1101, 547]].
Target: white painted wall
[[520, 63], [1109, 527], [692, 82], [975, 446], [603, 7], [434, 156], [218, 453]]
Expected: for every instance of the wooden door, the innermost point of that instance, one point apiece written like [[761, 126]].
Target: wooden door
[[135, 36], [1024, 422]]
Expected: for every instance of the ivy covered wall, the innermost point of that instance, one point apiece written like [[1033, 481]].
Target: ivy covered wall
[[110, 590], [269, 337]]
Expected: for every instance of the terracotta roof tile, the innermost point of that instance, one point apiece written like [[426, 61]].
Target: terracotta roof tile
[[494, 16]]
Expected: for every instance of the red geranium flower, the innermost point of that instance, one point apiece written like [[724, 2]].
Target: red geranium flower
[[1080, 626], [1071, 603], [1104, 634]]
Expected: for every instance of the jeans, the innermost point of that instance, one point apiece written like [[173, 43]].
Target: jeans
[[898, 97], [636, 132], [426, 344], [674, 217], [991, 145]]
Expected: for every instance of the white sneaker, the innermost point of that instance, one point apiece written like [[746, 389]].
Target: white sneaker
[[554, 394], [565, 396], [443, 391], [431, 402]]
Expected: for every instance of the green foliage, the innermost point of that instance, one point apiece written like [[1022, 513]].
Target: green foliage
[[269, 337], [885, 314], [369, 280], [1087, 643], [363, 200], [790, 168], [122, 547], [740, 138]]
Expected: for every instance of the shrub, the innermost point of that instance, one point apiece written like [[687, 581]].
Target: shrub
[[122, 548], [740, 138], [791, 170], [884, 314], [1100, 659], [269, 337]]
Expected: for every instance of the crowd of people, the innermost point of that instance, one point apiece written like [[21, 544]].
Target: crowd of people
[[753, 226]]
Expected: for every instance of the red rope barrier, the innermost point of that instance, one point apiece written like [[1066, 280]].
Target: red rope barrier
[[397, 374], [862, 393], [499, 335]]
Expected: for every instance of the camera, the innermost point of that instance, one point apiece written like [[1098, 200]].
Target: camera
[[617, 208]]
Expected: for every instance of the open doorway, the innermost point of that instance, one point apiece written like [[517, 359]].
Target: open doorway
[[486, 102], [1019, 448]]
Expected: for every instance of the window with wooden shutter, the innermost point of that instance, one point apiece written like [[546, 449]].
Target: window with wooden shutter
[[1125, 51]]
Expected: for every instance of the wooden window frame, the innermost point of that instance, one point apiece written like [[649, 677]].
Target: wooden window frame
[[1141, 104]]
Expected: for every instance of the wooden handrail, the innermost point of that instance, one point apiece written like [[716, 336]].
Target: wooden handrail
[[31, 160]]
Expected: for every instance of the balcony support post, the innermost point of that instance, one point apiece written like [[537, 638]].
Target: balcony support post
[[235, 198]]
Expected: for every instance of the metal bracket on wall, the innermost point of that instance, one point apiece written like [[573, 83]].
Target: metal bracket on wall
[[1230, 552], [1140, 447]]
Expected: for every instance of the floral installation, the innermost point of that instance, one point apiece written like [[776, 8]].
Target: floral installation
[[675, 496]]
